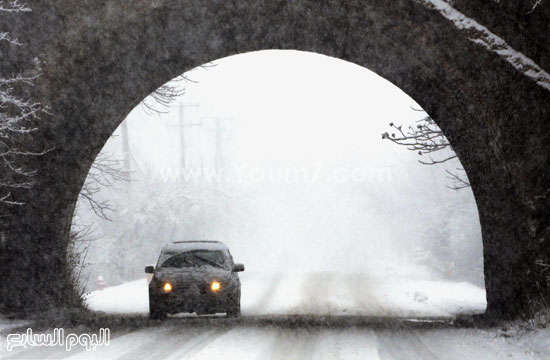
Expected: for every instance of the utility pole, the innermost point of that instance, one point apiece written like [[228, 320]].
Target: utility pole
[[182, 137], [218, 150], [181, 129], [219, 137]]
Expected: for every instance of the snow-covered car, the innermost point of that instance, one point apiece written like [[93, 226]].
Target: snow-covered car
[[194, 276]]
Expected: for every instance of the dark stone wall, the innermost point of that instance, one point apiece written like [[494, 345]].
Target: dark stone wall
[[525, 28], [99, 59]]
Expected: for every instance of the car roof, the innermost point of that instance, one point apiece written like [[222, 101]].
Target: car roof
[[188, 245]]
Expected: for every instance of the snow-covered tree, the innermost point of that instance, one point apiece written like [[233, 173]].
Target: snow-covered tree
[[148, 213], [16, 116]]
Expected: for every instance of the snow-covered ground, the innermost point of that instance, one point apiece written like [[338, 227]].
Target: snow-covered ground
[[322, 294], [7, 324], [221, 338], [276, 324]]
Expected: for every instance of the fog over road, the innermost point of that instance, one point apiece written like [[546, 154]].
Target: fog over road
[[326, 293], [303, 316]]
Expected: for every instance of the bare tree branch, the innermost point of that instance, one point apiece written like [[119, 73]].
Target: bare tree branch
[[160, 99], [105, 171], [427, 139], [163, 97], [459, 182]]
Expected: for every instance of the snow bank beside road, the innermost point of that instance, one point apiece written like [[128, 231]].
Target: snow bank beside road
[[434, 298], [128, 298], [7, 324]]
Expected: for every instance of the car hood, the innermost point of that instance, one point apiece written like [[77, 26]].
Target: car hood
[[193, 275]]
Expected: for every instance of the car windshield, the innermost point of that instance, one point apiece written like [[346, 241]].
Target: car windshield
[[193, 258]]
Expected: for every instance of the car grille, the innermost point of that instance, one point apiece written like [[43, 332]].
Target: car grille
[[183, 287]]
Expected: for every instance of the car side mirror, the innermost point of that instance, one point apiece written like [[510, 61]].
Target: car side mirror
[[150, 269], [238, 267]]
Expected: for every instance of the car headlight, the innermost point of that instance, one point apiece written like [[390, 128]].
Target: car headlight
[[215, 286], [167, 287]]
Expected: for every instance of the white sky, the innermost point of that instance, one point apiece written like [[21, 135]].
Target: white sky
[[280, 106]]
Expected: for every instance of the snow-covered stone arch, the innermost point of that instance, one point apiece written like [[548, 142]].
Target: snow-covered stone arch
[[99, 59]]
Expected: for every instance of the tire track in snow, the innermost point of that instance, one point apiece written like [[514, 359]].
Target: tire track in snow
[[459, 344], [191, 348], [79, 352], [183, 342], [401, 344], [238, 343], [291, 344], [346, 343], [267, 297], [363, 289], [315, 299], [451, 344], [146, 347]]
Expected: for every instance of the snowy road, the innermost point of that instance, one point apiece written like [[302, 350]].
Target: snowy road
[[327, 316], [323, 293], [294, 338]]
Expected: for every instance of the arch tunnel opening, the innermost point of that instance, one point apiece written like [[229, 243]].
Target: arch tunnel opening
[[278, 154]]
